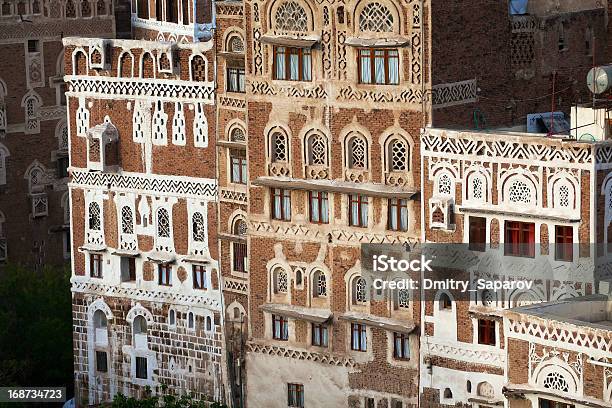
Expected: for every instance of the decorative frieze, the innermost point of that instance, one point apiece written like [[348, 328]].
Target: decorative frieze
[[456, 93]]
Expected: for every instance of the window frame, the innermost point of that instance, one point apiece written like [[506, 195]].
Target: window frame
[[359, 337], [371, 55], [239, 257], [302, 53], [403, 353], [238, 161], [283, 327], [130, 261], [477, 233], [240, 74], [101, 355], [395, 206], [295, 395], [95, 260], [487, 332], [283, 195], [518, 229], [564, 243], [319, 335], [141, 364], [362, 202], [201, 271], [164, 270], [320, 216]]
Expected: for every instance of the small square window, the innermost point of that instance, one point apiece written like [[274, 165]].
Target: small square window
[[101, 362], [164, 274], [370, 402], [486, 332], [33, 46], [199, 276], [295, 395], [319, 335]]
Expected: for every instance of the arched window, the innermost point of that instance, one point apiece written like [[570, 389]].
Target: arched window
[[85, 8], [556, 381], [235, 44], [281, 280], [143, 9], [448, 393], [401, 299], [94, 216], [398, 154], [190, 321], [147, 69], [172, 317], [290, 16], [70, 9], [316, 150], [445, 302], [237, 135], [445, 185], [357, 153], [377, 18], [319, 283], [198, 229], [477, 187], [99, 320], [126, 65], [519, 192], [198, 68], [101, 8], [564, 194], [208, 323], [359, 291], [487, 298], [80, 63], [240, 227], [127, 220], [279, 147], [140, 325], [163, 223]]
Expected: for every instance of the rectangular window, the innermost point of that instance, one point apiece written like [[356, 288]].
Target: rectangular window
[[478, 233], [128, 269], [378, 66], [370, 402], [401, 346], [164, 274], [295, 395], [319, 207], [397, 219], [280, 327], [358, 210], [281, 204], [319, 335], [486, 332], [292, 64], [235, 79], [62, 167], [199, 276], [544, 403], [32, 45], [101, 362], [396, 403], [141, 368], [95, 265], [520, 239], [240, 255], [564, 243], [239, 166], [358, 337]]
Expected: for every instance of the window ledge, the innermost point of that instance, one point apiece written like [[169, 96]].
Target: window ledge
[[334, 186], [290, 40], [379, 322], [387, 42], [298, 312], [532, 213]]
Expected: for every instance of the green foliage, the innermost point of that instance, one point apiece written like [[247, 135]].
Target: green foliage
[[164, 400], [36, 322]]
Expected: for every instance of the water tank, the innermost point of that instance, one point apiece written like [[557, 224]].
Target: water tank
[[518, 7], [599, 79]]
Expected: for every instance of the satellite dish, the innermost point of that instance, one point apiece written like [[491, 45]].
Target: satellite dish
[[599, 79]]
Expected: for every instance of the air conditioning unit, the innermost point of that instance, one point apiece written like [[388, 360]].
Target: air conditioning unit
[[441, 213]]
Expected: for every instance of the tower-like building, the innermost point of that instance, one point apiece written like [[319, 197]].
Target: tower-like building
[[147, 301], [34, 206]]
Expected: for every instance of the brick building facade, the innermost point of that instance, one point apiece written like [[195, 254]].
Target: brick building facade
[[34, 207], [230, 160]]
